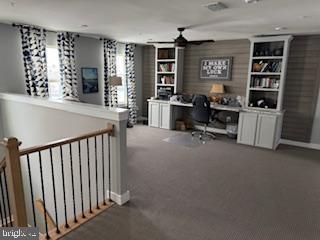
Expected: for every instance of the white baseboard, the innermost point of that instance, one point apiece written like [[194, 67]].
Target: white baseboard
[[300, 144], [120, 199]]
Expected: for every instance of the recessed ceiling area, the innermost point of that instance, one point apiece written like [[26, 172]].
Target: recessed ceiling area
[[142, 20]]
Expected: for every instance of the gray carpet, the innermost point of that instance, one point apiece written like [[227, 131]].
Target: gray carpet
[[218, 191]]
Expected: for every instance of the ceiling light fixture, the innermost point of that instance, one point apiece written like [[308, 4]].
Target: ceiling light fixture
[[215, 6], [280, 28], [303, 17], [252, 1]]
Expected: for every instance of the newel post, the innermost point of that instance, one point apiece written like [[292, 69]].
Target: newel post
[[15, 184]]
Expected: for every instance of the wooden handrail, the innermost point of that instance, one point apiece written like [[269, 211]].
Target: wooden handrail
[[109, 130]]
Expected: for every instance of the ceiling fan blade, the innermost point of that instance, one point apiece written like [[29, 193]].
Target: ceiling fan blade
[[200, 42], [160, 42]]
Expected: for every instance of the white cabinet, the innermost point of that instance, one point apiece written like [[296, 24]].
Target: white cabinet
[[266, 130], [247, 128], [153, 116], [159, 115], [164, 118], [260, 129]]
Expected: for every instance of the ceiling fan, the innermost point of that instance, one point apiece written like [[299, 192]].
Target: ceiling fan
[[181, 41]]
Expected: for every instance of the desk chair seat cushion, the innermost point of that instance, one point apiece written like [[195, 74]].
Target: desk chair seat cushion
[[201, 111]]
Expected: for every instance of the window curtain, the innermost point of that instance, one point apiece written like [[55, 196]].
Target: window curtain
[[67, 65], [131, 83], [34, 59], [110, 92]]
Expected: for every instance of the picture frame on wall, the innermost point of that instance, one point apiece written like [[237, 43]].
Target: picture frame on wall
[[89, 80], [216, 68]]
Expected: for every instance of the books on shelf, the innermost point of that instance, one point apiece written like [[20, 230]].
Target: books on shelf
[[272, 83], [270, 66], [167, 67], [167, 80]]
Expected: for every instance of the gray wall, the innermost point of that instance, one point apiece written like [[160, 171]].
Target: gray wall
[[238, 49], [302, 85], [138, 70], [302, 88], [89, 53], [148, 59], [315, 136], [11, 64]]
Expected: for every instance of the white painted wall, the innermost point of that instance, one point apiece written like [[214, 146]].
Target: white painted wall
[[315, 136], [53, 123], [11, 63]]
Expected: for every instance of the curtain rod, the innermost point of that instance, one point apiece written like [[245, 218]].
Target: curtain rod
[[76, 34], [18, 25]]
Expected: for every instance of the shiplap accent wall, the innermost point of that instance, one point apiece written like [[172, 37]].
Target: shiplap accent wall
[[302, 87], [148, 61], [302, 83], [238, 49]]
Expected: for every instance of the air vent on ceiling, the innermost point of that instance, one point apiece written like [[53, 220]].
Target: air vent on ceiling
[[215, 6]]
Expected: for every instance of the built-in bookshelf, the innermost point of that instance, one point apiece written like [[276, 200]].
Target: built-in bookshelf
[[267, 72], [169, 70]]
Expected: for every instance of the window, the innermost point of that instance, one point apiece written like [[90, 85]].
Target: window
[[121, 72], [54, 81]]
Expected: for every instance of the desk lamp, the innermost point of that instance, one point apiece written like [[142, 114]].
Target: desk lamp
[[217, 89]]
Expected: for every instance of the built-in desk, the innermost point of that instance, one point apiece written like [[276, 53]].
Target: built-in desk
[[163, 113], [256, 127]]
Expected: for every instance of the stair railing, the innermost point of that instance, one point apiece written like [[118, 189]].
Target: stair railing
[[11, 168]]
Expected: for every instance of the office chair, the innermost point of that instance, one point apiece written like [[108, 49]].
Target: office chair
[[201, 113]]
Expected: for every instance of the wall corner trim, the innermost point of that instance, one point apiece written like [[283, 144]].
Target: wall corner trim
[[300, 144], [120, 199]]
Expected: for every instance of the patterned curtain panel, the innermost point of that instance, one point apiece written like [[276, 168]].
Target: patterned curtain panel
[[110, 92], [67, 65], [131, 83], [34, 58]]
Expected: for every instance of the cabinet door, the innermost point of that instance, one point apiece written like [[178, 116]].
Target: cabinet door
[[266, 130], [164, 116], [153, 114], [247, 128]]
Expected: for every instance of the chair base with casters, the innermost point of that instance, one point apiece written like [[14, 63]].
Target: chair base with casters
[[201, 113], [203, 133]]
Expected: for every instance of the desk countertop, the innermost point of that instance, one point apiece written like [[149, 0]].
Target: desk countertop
[[213, 105], [219, 107]]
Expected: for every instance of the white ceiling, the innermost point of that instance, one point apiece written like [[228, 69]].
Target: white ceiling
[[141, 20]]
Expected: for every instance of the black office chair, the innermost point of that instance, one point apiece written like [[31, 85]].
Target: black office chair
[[201, 113]]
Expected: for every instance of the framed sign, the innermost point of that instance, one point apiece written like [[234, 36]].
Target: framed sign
[[89, 80], [216, 68]]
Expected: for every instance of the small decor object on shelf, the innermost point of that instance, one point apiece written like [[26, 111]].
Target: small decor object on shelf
[[216, 68], [278, 52], [89, 80]]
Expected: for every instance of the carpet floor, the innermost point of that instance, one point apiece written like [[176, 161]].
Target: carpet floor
[[217, 191]]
